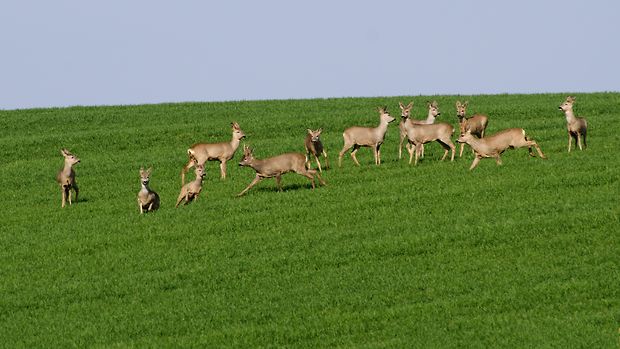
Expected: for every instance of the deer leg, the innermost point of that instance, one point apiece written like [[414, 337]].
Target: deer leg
[[310, 175], [570, 140], [68, 190], [417, 153], [410, 148], [318, 163], [461, 151], [253, 183], [326, 159], [346, 147], [180, 198], [223, 169], [64, 196], [498, 160], [445, 147], [422, 152], [186, 168], [355, 149], [379, 154], [76, 190], [579, 140], [453, 148], [475, 162], [279, 182], [400, 145], [530, 144]]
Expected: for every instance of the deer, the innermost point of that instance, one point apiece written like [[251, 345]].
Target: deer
[[433, 112], [148, 200], [419, 134], [357, 137], [277, 166], [314, 147], [200, 153], [191, 190], [493, 146], [476, 124], [66, 177], [577, 127]]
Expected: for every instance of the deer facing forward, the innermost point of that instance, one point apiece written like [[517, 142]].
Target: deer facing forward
[[191, 190], [373, 137], [407, 121], [577, 127], [314, 147], [148, 200], [277, 166], [66, 177], [475, 124], [200, 153]]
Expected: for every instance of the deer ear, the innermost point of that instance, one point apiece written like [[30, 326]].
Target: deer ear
[[309, 130], [458, 104], [149, 170], [409, 105], [320, 130], [466, 103], [401, 105]]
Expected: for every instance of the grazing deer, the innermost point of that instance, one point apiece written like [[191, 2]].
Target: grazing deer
[[357, 137], [148, 200], [66, 177], [577, 127], [418, 135], [476, 124], [200, 153], [314, 147], [191, 190], [276, 167], [433, 112], [493, 146]]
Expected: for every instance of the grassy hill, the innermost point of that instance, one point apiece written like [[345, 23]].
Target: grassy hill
[[521, 255]]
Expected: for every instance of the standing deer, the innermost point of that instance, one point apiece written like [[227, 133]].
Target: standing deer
[[577, 127], [148, 200], [277, 166], [421, 134], [406, 120], [493, 146], [476, 124], [357, 137], [66, 177], [314, 147], [200, 153], [191, 190]]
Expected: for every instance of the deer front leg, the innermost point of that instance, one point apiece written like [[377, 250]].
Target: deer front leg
[[475, 162], [140, 206], [410, 151], [279, 182], [326, 159], [318, 163], [186, 168], [253, 183], [400, 145], [570, 140], [461, 151], [223, 169], [355, 149], [64, 195], [498, 160], [417, 153], [579, 140]]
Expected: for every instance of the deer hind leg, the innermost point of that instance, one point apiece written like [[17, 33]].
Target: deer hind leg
[[378, 160], [356, 147], [310, 175], [422, 152], [326, 159], [279, 182], [345, 148], [461, 151], [418, 148], [410, 148], [400, 145], [532, 143], [253, 183], [186, 168], [579, 140], [475, 162], [498, 160]]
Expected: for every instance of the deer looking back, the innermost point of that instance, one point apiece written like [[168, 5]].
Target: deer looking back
[[373, 137], [577, 127], [148, 200], [277, 166], [191, 190], [66, 177], [200, 153], [314, 147]]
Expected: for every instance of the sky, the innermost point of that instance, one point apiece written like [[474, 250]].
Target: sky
[[79, 52]]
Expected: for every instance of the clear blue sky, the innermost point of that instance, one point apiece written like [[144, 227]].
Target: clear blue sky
[[62, 53]]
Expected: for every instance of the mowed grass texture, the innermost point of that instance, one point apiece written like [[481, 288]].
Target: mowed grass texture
[[520, 255]]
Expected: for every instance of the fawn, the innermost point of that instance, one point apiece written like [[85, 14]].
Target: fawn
[[191, 190]]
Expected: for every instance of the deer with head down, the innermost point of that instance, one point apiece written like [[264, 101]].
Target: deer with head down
[[277, 166], [356, 137], [476, 124], [200, 153], [66, 177], [493, 146], [314, 147], [577, 127], [406, 121], [148, 199]]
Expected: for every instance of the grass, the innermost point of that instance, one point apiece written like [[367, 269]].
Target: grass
[[521, 255]]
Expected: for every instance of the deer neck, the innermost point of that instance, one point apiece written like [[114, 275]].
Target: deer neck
[[234, 143], [570, 116], [67, 169], [145, 188], [430, 118], [382, 128]]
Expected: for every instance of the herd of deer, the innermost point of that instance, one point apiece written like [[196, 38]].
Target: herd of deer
[[416, 132]]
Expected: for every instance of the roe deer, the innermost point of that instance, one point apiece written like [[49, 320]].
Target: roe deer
[[577, 127], [200, 153], [418, 135], [493, 146], [66, 177], [406, 120], [276, 167], [191, 190], [314, 147], [476, 124], [357, 137], [148, 200]]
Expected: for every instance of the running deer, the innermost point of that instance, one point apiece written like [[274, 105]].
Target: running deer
[[577, 127], [406, 120], [66, 177], [148, 200], [191, 190], [200, 153], [277, 166], [493, 146], [314, 147], [476, 124], [357, 137], [420, 134]]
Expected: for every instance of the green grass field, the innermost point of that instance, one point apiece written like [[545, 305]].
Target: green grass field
[[522, 255]]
